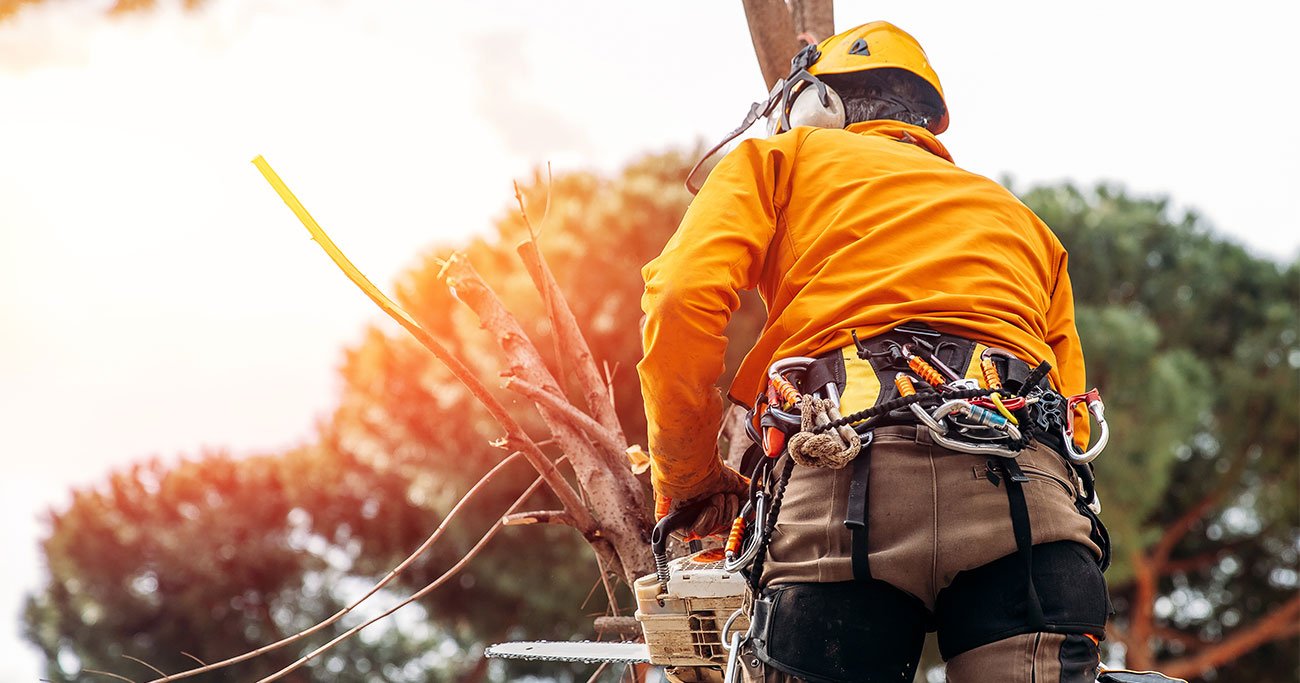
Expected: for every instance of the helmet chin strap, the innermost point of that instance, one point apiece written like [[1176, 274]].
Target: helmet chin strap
[[757, 110], [780, 95]]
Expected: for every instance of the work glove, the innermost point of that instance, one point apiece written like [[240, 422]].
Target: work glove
[[725, 494]]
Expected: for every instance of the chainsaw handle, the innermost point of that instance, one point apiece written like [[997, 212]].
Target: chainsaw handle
[[659, 537], [673, 521]]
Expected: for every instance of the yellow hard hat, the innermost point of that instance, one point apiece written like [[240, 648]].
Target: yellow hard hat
[[877, 45]]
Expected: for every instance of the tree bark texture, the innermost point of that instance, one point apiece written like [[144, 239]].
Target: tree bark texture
[[614, 497], [776, 27], [595, 391]]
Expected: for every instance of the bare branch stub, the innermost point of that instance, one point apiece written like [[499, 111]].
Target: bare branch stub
[[616, 499], [538, 517], [595, 390], [613, 443]]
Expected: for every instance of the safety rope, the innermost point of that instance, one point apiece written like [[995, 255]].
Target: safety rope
[[833, 449], [901, 402]]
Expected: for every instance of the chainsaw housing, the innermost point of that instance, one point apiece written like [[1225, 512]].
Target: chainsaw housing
[[683, 626]]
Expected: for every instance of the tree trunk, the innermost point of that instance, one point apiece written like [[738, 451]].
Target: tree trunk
[[780, 28]]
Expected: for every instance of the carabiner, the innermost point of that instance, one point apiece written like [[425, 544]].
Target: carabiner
[[1098, 411], [734, 562], [732, 642]]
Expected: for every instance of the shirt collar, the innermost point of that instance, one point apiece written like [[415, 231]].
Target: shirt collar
[[903, 132]]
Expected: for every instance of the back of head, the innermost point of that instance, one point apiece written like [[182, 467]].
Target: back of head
[[887, 94], [881, 72]]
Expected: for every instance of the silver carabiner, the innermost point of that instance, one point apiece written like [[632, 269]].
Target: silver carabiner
[[732, 645], [749, 549], [780, 367], [1098, 411]]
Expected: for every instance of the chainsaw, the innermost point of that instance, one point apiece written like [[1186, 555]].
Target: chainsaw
[[689, 613]]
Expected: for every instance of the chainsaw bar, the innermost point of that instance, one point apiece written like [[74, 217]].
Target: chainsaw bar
[[582, 651]]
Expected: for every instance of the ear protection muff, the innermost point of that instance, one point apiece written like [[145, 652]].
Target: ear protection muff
[[820, 107], [805, 99]]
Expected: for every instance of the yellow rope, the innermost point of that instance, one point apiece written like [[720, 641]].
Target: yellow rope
[[997, 401], [335, 254]]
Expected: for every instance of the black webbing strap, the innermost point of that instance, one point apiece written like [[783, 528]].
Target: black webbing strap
[[1015, 479], [826, 369], [855, 516]]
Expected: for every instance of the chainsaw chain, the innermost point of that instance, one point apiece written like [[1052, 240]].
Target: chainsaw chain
[[577, 660]]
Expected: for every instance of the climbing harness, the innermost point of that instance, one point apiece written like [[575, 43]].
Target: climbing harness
[[996, 408]]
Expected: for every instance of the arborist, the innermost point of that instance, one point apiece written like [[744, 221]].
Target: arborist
[[935, 307]]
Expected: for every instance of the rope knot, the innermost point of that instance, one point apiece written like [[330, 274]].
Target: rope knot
[[832, 448]]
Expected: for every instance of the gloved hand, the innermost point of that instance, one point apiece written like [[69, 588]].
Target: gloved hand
[[725, 493]]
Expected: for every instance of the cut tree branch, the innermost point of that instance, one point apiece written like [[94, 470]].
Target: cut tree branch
[[515, 434], [538, 517], [595, 391], [610, 442], [616, 499]]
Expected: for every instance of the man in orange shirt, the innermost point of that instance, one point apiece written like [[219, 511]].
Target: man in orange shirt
[[877, 258]]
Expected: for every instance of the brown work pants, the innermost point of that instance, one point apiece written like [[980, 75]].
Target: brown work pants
[[932, 514]]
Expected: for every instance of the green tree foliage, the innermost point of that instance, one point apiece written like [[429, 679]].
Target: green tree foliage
[[1191, 339], [1193, 342]]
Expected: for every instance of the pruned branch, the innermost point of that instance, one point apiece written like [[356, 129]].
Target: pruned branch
[[595, 391], [568, 336], [609, 441], [516, 437], [616, 500], [538, 517]]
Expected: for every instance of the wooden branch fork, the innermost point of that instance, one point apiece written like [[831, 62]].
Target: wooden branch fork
[[611, 512]]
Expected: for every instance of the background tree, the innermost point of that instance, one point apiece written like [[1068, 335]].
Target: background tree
[[1194, 343], [1191, 339]]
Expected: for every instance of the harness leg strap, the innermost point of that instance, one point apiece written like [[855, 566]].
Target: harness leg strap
[[1015, 479], [855, 517]]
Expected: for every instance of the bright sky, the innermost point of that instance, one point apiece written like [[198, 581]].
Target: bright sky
[[156, 298]]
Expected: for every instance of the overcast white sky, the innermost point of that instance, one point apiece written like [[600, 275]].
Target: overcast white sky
[[157, 298]]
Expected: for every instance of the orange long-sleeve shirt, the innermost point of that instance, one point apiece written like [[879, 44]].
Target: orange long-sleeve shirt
[[840, 230]]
